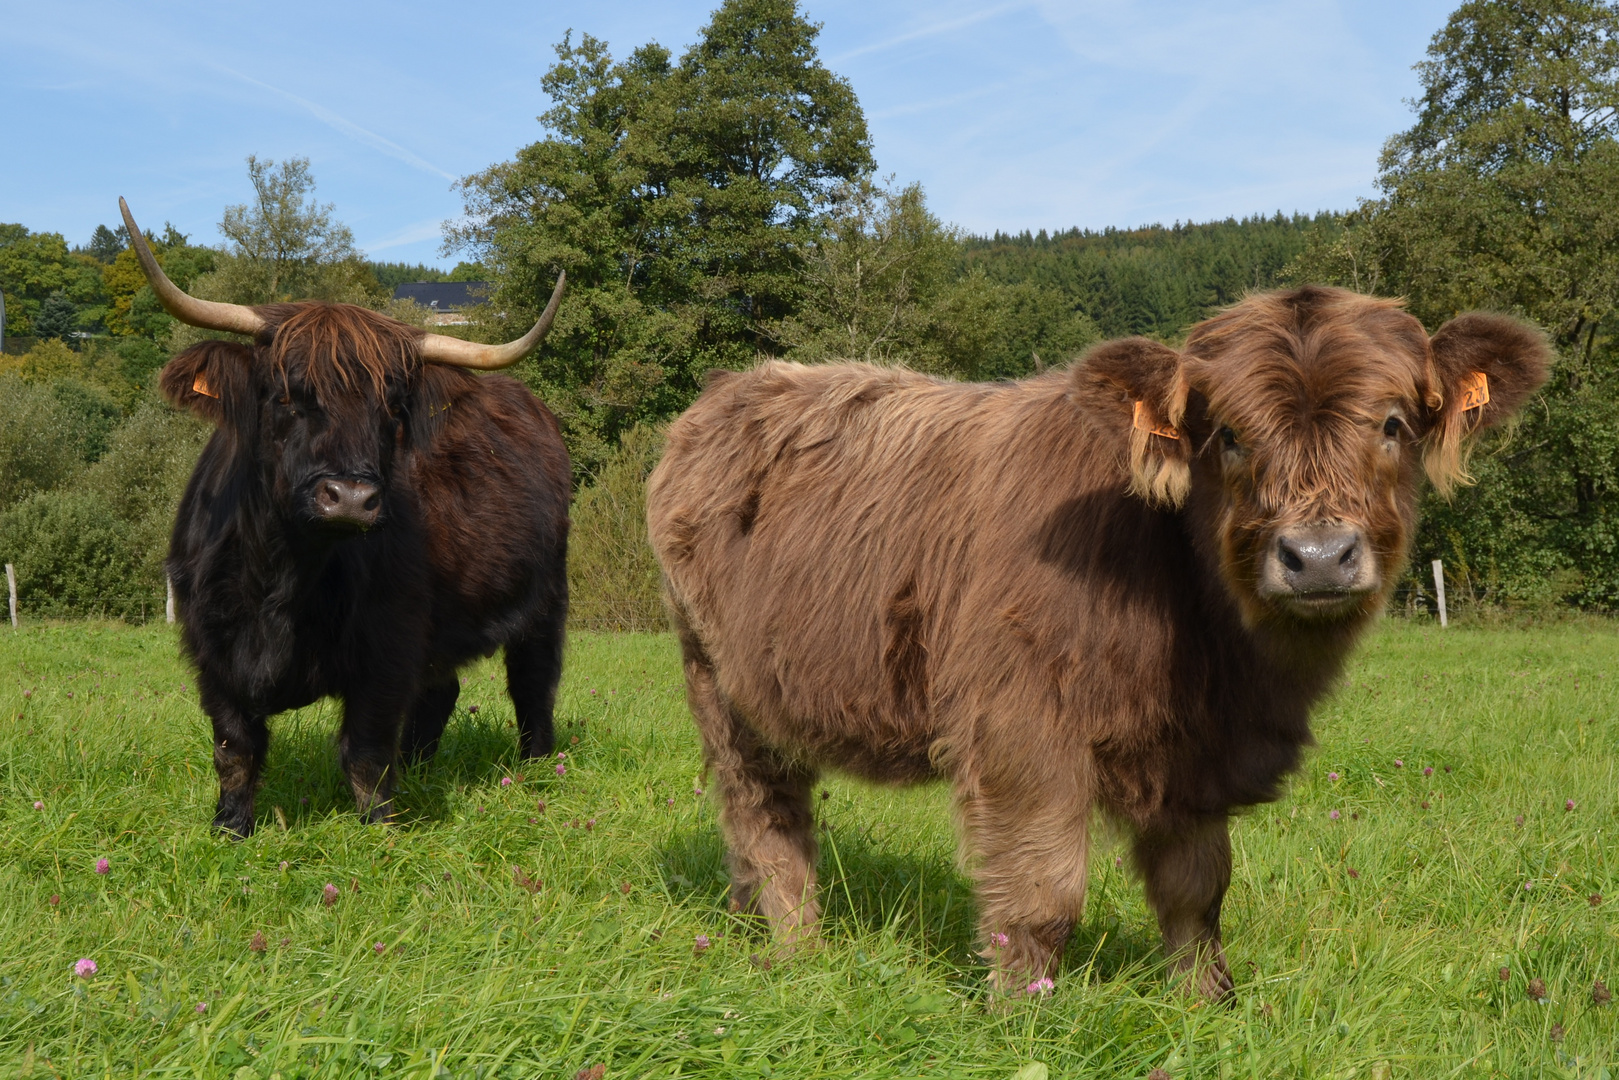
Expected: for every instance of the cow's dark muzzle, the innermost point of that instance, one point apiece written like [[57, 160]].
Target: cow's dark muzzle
[[347, 503], [1319, 569]]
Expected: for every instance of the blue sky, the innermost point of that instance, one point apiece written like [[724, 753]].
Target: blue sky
[[1017, 115]]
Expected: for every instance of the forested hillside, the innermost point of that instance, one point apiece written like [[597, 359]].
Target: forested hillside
[[1155, 280]]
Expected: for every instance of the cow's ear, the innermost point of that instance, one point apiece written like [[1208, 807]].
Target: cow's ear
[[206, 376], [1484, 368], [1136, 390]]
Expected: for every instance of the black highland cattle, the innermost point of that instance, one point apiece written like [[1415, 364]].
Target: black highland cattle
[[368, 517]]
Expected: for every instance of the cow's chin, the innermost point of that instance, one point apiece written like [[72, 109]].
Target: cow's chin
[[1319, 607]]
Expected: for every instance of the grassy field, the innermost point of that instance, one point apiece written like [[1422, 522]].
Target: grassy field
[[1402, 936]]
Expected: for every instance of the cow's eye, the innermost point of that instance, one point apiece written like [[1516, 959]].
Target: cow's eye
[[1391, 427], [1228, 438]]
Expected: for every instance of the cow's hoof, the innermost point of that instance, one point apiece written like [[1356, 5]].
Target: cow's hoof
[[234, 822]]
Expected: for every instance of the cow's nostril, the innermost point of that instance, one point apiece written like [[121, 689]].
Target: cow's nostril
[[1290, 559], [1349, 553], [374, 500]]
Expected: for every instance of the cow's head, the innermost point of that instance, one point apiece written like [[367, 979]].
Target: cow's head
[[1293, 429], [321, 397]]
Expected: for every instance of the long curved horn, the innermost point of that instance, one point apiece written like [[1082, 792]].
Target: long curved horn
[[442, 349], [208, 314]]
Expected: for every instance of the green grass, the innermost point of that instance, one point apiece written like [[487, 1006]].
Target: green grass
[[1391, 973]]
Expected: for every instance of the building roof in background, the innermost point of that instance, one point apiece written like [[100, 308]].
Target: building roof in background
[[444, 295]]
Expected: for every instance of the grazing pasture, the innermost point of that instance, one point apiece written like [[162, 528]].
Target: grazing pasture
[[1389, 922]]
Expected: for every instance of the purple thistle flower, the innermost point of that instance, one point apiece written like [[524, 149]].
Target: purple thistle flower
[[38, 805], [202, 1006], [1332, 776], [562, 755], [1428, 771], [85, 968], [1398, 764], [1568, 805], [1040, 987], [590, 824], [999, 940], [1528, 885], [505, 781], [562, 770], [700, 944], [472, 710], [379, 948], [540, 806], [103, 866], [328, 894], [671, 800], [1333, 814]]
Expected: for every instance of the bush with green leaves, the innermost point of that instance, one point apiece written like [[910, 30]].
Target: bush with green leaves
[[97, 542], [68, 548], [39, 448], [612, 574]]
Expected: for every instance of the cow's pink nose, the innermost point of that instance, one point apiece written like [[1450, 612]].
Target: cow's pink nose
[[351, 501]]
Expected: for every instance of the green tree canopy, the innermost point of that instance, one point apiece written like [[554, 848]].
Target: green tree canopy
[[677, 196], [884, 281], [36, 266], [284, 245]]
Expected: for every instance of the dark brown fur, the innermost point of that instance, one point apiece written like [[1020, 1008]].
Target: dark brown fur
[[279, 608], [1013, 588]]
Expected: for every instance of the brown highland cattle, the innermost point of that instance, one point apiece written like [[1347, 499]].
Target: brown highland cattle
[[1119, 586]]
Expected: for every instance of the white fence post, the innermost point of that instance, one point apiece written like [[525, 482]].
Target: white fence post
[[168, 600], [11, 589], [1439, 587]]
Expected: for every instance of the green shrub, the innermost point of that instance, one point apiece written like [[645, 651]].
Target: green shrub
[[70, 550], [141, 478], [38, 444], [92, 415], [612, 575], [97, 543]]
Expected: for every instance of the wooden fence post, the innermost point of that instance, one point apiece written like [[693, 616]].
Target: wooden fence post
[[1439, 588], [168, 600], [11, 590]]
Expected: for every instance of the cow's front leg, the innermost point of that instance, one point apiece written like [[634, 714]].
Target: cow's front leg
[[369, 748], [241, 740], [1187, 868], [1027, 826]]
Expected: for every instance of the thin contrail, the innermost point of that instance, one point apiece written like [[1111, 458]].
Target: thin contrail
[[346, 126]]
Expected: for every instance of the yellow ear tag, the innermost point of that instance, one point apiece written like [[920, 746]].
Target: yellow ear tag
[[1475, 391], [1143, 421], [199, 385]]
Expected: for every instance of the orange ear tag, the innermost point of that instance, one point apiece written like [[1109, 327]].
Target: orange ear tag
[[1143, 421], [1475, 391], [199, 385]]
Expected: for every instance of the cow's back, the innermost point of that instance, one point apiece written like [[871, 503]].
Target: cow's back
[[491, 476], [866, 553]]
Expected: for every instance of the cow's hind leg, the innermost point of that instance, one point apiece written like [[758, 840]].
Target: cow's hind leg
[[1186, 869], [424, 724], [764, 808], [533, 668], [1027, 834], [240, 743]]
